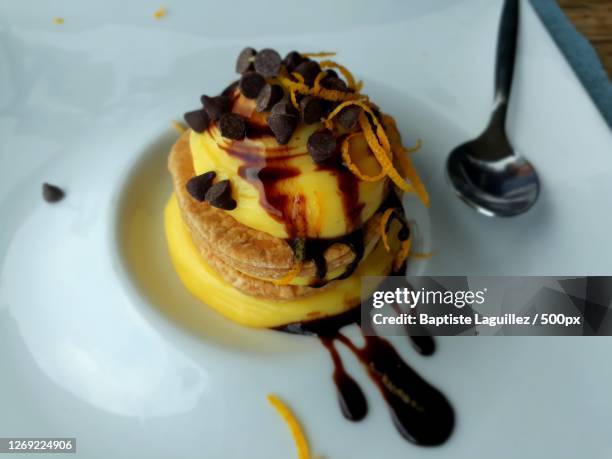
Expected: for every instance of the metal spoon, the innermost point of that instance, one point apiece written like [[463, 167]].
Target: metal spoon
[[487, 173]]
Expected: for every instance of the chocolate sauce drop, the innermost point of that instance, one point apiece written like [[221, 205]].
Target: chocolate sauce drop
[[424, 344], [353, 403]]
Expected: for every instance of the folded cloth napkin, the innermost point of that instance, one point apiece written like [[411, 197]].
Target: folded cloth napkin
[[580, 54]]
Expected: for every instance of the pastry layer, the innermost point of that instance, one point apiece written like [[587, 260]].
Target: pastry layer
[[212, 288]]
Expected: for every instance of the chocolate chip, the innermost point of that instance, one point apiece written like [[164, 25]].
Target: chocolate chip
[[229, 91], [52, 193], [292, 60], [284, 107], [348, 116], [309, 70], [268, 62], [330, 106], [244, 63], [220, 195], [198, 186], [268, 97], [330, 73], [282, 126], [312, 109], [250, 84], [197, 120], [334, 83], [321, 146], [216, 106], [232, 126]]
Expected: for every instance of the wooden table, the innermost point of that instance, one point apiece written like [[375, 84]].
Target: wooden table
[[593, 18]]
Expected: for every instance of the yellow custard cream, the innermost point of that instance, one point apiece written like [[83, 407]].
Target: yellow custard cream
[[319, 193], [208, 286]]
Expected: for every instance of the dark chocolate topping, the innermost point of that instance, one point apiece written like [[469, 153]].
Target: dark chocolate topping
[[268, 97], [322, 146], [309, 71], [197, 120], [220, 195], [292, 60], [216, 106], [282, 126], [312, 109], [244, 63], [268, 62], [251, 84], [232, 126], [52, 193], [198, 186]]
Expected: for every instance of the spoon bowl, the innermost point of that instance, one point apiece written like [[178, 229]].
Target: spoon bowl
[[503, 187]]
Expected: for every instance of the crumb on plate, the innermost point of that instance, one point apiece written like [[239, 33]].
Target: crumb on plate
[[160, 13]]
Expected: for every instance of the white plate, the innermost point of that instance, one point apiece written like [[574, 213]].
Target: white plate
[[99, 341]]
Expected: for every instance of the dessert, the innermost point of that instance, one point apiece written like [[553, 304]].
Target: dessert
[[287, 191], [281, 187]]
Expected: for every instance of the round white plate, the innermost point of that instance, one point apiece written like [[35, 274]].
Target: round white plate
[[98, 339]]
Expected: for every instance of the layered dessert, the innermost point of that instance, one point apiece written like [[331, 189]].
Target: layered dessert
[[287, 190]]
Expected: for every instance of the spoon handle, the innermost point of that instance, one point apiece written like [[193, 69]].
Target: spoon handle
[[506, 53]]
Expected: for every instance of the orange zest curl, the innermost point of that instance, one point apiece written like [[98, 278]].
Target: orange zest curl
[[382, 154], [301, 444], [417, 147], [403, 254], [350, 80], [298, 77], [348, 161], [383, 228], [293, 97], [327, 94], [319, 54], [290, 275], [409, 171], [292, 91]]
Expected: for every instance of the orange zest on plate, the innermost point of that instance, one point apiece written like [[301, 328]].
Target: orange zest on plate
[[160, 13], [287, 415]]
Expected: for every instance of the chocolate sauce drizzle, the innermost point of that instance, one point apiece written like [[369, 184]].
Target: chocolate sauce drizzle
[[313, 249], [419, 411]]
